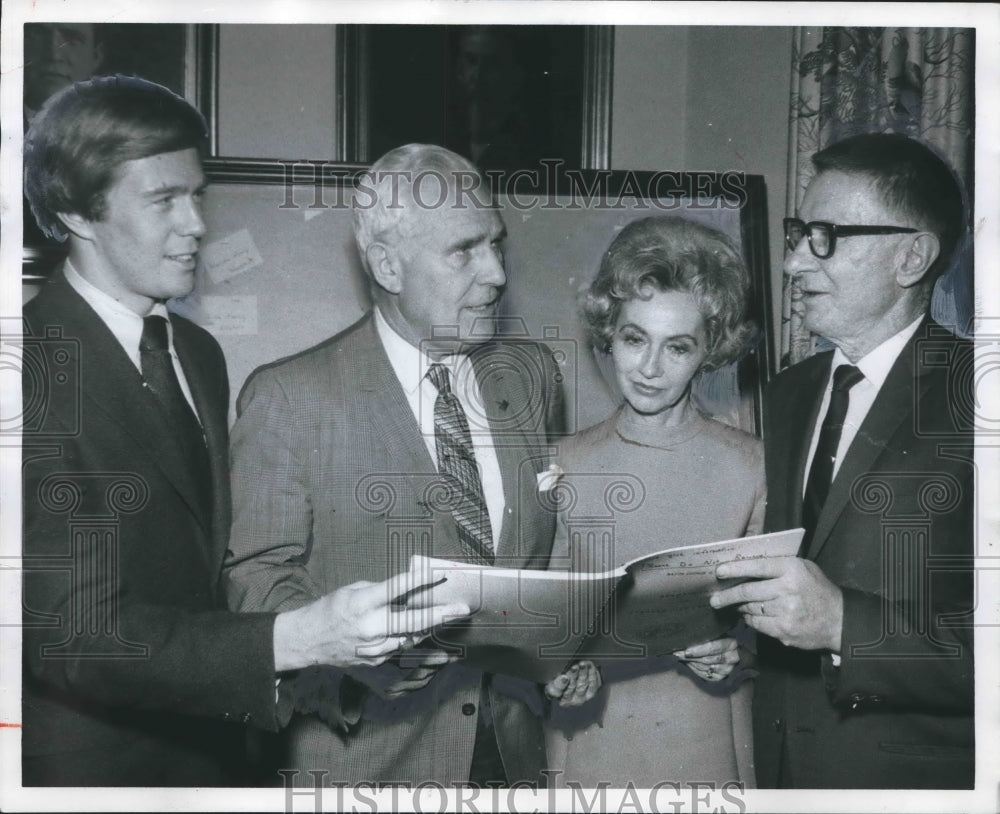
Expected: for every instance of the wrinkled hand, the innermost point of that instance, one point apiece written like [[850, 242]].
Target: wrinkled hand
[[421, 675], [711, 661], [792, 601], [357, 625], [576, 686]]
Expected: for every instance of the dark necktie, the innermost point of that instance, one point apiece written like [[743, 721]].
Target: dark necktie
[[821, 473], [161, 379], [457, 463]]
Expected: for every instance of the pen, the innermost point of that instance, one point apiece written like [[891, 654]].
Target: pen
[[401, 600]]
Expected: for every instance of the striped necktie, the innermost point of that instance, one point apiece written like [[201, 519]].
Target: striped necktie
[[457, 463]]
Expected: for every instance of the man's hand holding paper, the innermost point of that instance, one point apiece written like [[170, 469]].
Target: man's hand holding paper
[[361, 624], [788, 598]]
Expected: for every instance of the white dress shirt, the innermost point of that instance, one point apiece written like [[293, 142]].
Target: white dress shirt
[[126, 325], [411, 365], [875, 367]]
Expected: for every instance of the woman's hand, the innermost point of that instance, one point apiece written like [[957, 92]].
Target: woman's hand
[[711, 661], [420, 676], [576, 686]]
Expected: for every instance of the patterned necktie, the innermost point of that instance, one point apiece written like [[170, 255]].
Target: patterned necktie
[[457, 463], [161, 379], [821, 473]]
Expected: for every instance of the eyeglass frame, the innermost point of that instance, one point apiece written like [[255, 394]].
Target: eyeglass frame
[[836, 231]]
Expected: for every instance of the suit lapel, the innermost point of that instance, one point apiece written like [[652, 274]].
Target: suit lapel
[[388, 407], [393, 423], [212, 409], [893, 405], [512, 416], [791, 430], [113, 386], [497, 400], [508, 410]]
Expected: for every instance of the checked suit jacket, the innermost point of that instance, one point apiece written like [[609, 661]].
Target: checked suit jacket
[[332, 484], [896, 535], [135, 673]]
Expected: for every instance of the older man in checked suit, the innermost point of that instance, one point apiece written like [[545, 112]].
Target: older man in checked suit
[[340, 455]]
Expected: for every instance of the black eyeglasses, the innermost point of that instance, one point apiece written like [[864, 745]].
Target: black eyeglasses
[[822, 236]]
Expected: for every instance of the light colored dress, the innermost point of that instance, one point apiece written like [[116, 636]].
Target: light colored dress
[[654, 720]]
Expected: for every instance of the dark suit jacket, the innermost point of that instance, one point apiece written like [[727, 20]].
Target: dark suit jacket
[[125, 634], [896, 535], [332, 483]]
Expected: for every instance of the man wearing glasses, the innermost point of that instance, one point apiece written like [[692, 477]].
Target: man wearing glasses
[[866, 671]]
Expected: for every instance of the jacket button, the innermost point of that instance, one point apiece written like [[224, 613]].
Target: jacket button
[[247, 718], [777, 724], [227, 716], [468, 709]]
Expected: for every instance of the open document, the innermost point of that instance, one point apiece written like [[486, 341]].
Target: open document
[[533, 624]]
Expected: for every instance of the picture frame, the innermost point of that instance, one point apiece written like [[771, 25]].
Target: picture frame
[[185, 57], [267, 217], [505, 96]]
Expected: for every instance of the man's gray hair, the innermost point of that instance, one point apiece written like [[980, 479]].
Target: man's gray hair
[[414, 175]]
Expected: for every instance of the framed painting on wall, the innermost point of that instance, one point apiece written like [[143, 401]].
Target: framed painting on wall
[[505, 96], [304, 280]]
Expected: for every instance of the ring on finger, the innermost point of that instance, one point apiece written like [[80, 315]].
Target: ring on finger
[[762, 613]]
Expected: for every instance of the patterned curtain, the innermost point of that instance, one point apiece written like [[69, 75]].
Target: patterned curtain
[[915, 81]]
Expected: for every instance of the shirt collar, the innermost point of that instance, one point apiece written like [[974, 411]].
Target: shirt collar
[[99, 299], [409, 363], [876, 364], [124, 323]]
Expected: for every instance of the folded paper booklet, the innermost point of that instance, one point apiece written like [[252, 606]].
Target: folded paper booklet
[[534, 624]]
